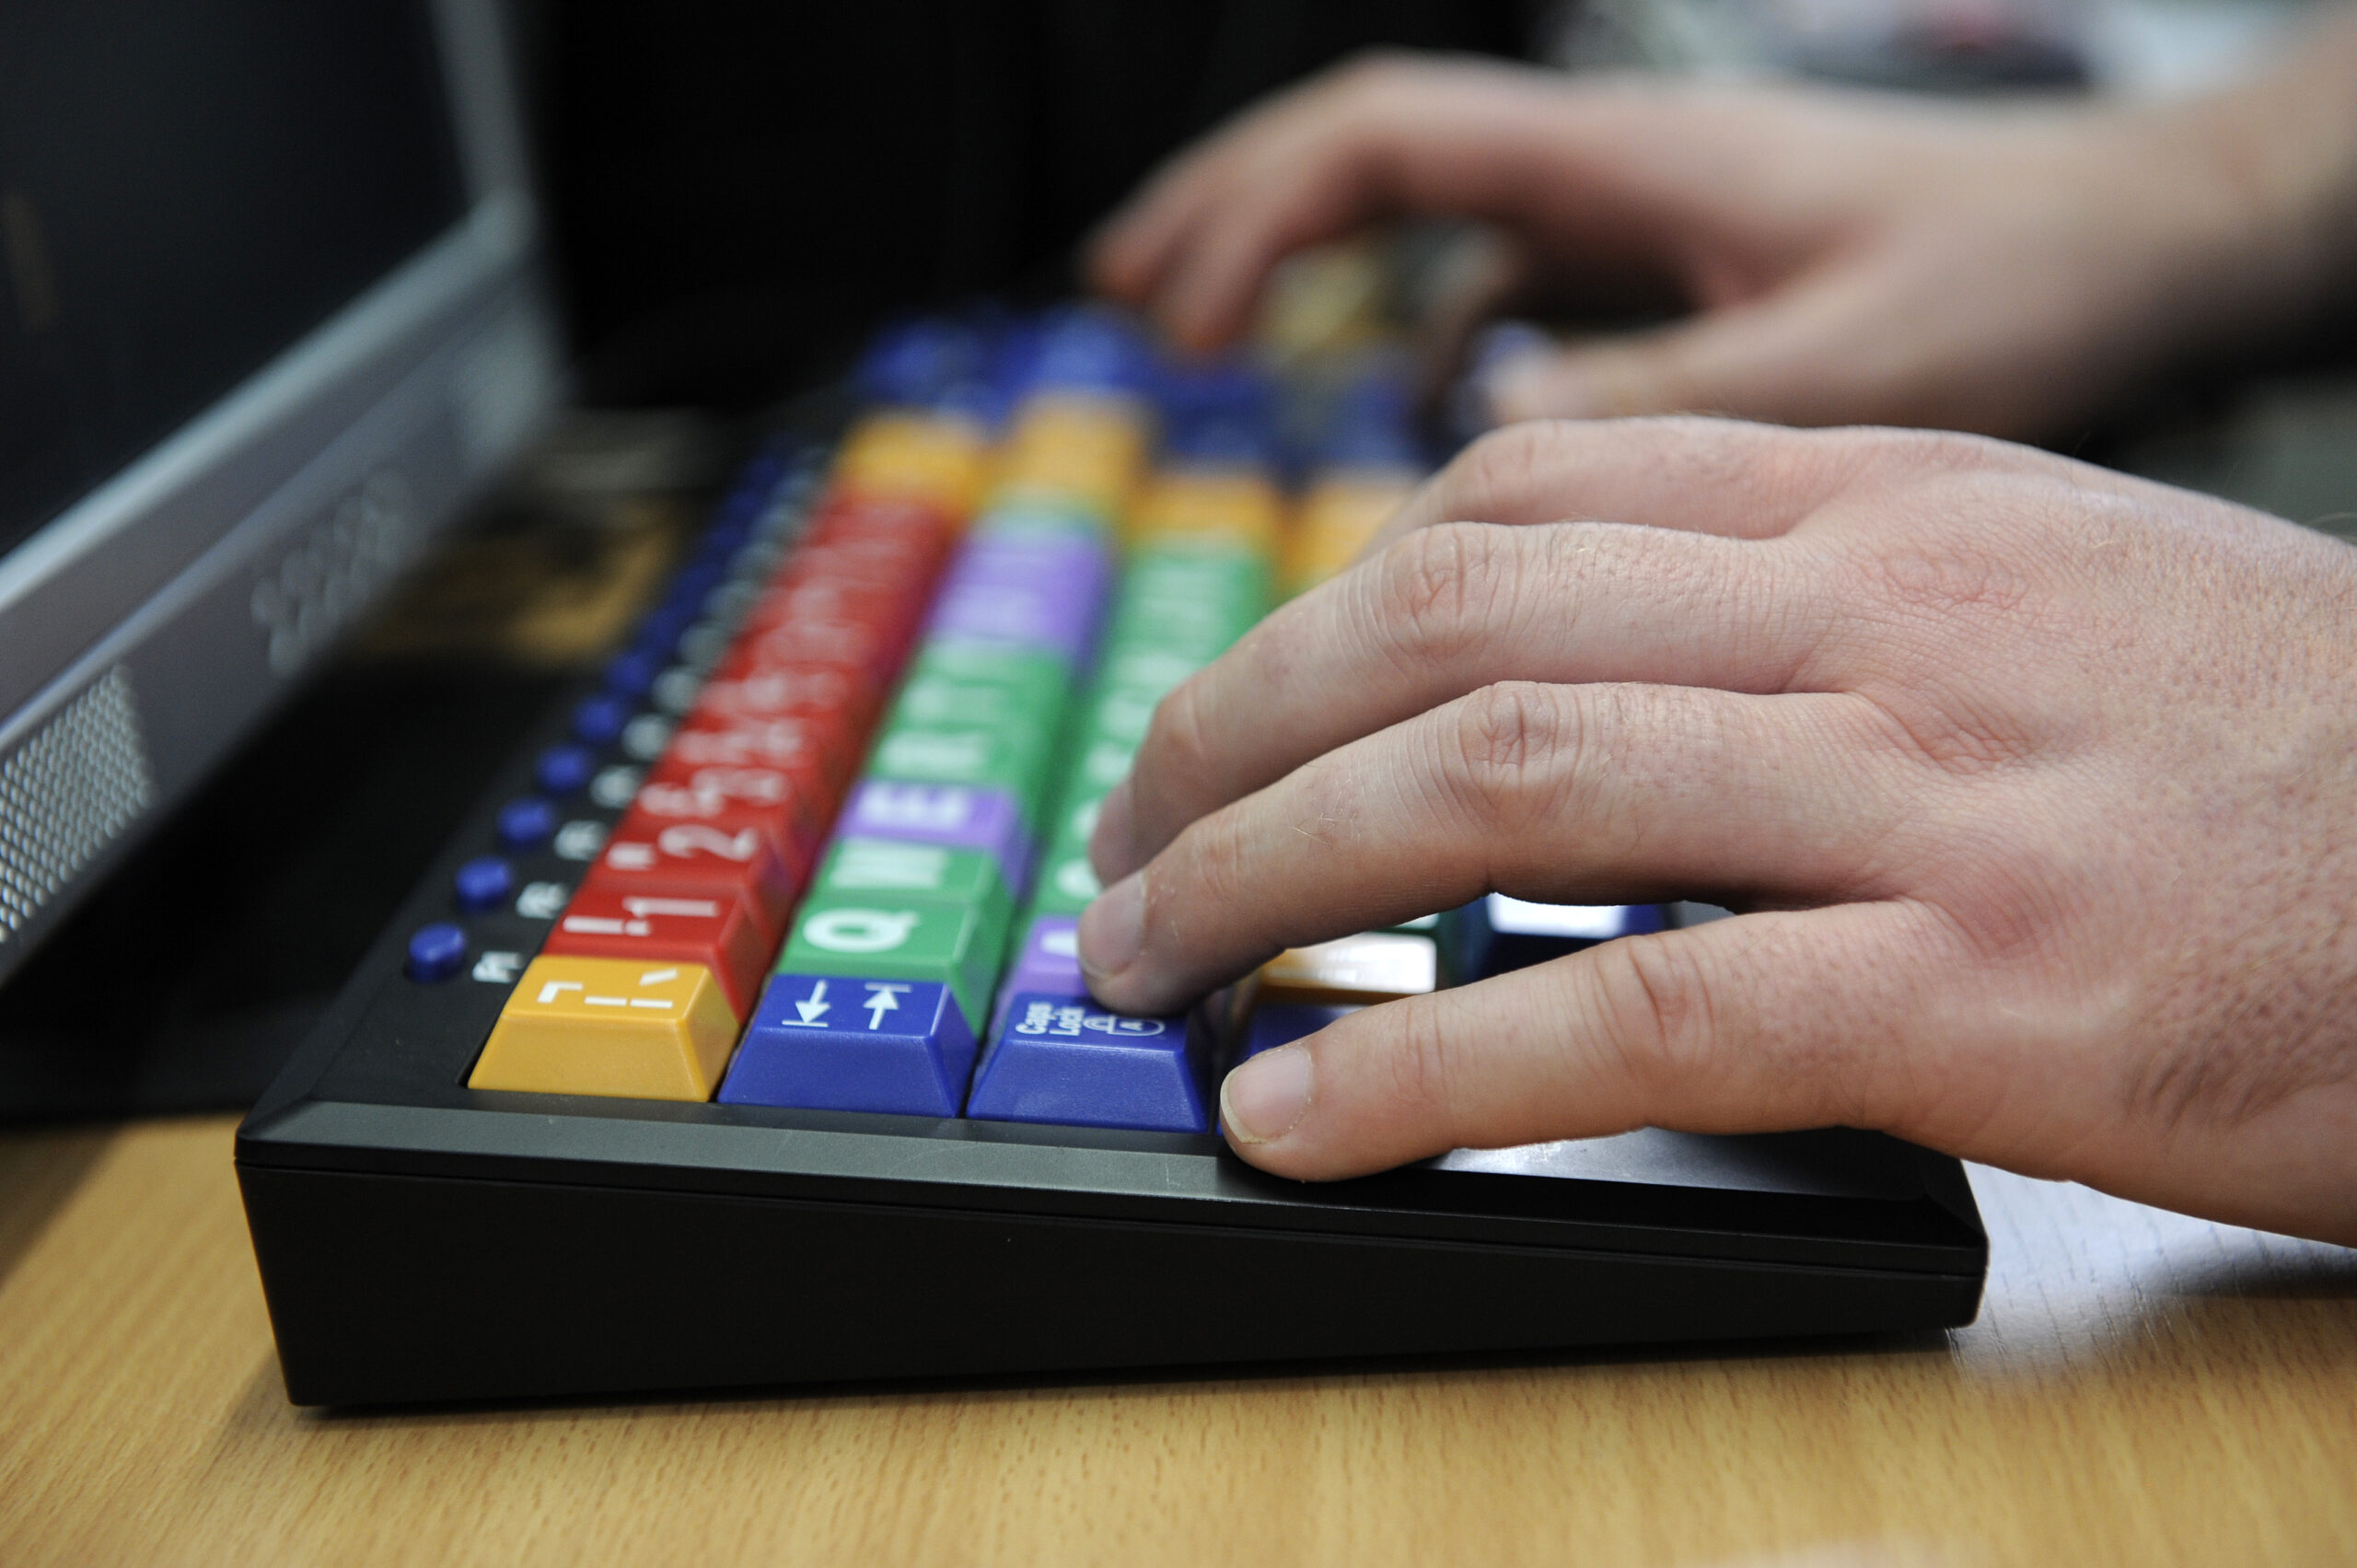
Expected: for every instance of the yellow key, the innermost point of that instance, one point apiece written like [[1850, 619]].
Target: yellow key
[[1235, 503], [941, 460], [1341, 512], [628, 1028], [1374, 965]]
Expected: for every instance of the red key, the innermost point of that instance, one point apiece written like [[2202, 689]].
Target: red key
[[780, 811], [743, 688], [648, 854], [834, 644], [817, 750], [707, 928]]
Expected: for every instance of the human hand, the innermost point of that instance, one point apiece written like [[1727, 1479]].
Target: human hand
[[2035, 787], [1849, 257]]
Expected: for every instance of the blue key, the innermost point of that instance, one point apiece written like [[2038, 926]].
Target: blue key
[[435, 952], [826, 1043], [1281, 1023], [598, 719], [563, 769], [483, 883], [526, 822], [1063, 1058]]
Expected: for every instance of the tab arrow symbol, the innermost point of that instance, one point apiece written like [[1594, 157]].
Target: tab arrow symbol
[[880, 1002], [814, 1006]]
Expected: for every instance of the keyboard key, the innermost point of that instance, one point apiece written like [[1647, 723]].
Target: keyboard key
[[958, 945], [1049, 959], [819, 750], [1496, 934], [733, 799], [985, 820], [647, 856], [1059, 1057], [1374, 965], [741, 690], [718, 933], [1281, 1023], [863, 867], [826, 1043], [435, 952], [1012, 757], [577, 1026]]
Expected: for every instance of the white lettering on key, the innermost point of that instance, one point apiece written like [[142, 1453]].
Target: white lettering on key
[[693, 909], [880, 1000], [549, 991], [812, 1007], [656, 977], [859, 930]]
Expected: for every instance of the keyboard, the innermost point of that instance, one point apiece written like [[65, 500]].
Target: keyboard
[[737, 1039]]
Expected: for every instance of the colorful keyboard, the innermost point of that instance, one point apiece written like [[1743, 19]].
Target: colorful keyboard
[[739, 1040]]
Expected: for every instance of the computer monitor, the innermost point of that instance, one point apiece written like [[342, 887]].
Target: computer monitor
[[270, 312]]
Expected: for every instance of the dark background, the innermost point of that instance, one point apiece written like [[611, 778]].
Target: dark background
[[740, 191]]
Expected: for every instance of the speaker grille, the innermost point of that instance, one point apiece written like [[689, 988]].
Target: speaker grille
[[66, 792]]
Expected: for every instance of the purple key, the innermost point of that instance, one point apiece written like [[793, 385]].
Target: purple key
[[958, 814], [1051, 956], [1050, 960], [1080, 563], [1044, 613]]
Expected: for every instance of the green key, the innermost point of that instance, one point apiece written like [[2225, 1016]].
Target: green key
[[932, 698], [1121, 713], [994, 663], [1148, 672], [861, 869], [1013, 757], [868, 938], [1066, 880]]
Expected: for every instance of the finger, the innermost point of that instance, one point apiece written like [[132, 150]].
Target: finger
[[1589, 174], [1835, 347], [1713, 476], [1559, 794], [1771, 1021], [1448, 611]]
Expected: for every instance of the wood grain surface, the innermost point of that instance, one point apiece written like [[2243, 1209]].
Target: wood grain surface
[[2141, 1388]]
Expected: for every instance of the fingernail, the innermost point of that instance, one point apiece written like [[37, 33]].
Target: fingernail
[[1265, 1098], [1112, 928], [1111, 841]]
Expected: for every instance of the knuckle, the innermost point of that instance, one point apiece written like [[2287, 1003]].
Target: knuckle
[[1176, 754], [1503, 737], [1439, 589], [1421, 1069], [1657, 1013]]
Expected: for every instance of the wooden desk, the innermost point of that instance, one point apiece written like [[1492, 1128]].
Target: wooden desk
[[2140, 1389]]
